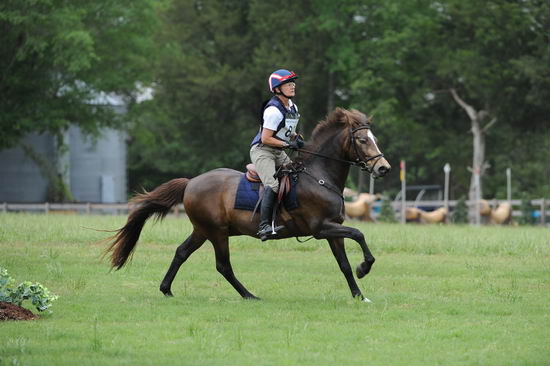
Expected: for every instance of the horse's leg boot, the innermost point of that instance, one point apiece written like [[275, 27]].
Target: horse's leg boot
[[266, 230]]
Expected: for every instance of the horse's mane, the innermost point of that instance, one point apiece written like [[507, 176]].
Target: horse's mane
[[337, 120]]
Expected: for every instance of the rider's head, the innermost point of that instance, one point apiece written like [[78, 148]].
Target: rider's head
[[281, 82]]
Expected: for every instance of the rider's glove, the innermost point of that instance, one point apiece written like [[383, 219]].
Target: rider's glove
[[300, 140], [295, 144]]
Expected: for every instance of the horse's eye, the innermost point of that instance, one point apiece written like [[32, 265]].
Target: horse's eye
[[362, 140]]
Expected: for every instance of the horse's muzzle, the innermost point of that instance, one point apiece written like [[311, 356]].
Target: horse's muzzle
[[382, 169]]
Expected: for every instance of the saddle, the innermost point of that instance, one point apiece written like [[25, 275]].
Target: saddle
[[285, 174]]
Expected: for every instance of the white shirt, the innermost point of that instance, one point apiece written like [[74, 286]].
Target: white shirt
[[273, 116]]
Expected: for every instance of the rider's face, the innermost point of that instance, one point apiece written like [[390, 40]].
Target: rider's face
[[289, 89]]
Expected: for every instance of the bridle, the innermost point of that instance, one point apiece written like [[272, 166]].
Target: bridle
[[360, 161]]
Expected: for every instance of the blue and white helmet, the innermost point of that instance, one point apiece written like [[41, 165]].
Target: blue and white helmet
[[279, 77]]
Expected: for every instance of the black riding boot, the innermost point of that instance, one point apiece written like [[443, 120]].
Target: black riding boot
[[266, 213]]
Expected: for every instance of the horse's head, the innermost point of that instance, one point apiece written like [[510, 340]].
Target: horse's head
[[349, 132], [362, 146]]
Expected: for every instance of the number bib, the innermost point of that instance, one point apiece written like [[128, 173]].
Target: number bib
[[291, 121]]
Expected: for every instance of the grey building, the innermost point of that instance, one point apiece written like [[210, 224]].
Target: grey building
[[94, 171]]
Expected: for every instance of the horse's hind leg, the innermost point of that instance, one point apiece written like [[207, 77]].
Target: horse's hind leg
[[192, 243], [339, 251], [223, 264]]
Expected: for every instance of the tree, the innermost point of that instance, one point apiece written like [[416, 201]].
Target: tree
[[388, 59], [206, 104], [212, 80], [482, 55], [57, 57]]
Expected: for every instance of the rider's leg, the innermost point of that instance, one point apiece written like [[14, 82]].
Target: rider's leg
[[265, 158], [266, 229]]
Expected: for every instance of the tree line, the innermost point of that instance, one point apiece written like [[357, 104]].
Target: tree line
[[432, 73]]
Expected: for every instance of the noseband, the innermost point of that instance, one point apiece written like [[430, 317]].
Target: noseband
[[360, 160]]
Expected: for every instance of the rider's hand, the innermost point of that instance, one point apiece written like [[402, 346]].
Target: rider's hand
[[300, 140], [295, 144]]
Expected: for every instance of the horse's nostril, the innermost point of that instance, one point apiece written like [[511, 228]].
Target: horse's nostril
[[382, 170]]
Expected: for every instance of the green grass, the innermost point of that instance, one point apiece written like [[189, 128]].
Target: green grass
[[442, 295]]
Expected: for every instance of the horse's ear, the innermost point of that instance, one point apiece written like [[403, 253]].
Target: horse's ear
[[369, 119]]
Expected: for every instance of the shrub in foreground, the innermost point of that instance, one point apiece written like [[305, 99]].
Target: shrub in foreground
[[39, 295]]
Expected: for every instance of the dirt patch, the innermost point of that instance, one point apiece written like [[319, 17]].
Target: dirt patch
[[13, 312]]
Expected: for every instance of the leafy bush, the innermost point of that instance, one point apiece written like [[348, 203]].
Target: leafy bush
[[387, 214], [460, 213], [39, 295]]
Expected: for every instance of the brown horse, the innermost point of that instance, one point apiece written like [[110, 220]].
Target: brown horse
[[343, 139]]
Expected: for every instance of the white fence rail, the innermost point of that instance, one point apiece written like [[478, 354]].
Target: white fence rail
[[76, 208], [540, 206]]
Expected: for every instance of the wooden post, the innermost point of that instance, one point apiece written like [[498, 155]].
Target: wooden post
[[509, 185], [543, 212], [402, 176], [447, 171], [88, 208], [47, 207], [477, 185], [177, 210]]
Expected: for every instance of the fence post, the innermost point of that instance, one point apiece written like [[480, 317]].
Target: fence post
[[88, 208], [5, 207], [447, 171], [403, 177], [47, 207], [543, 212], [509, 184], [477, 183], [177, 210]]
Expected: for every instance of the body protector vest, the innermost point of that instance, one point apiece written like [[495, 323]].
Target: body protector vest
[[287, 125]]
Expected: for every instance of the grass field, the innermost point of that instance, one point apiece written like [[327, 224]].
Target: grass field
[[441, 295]]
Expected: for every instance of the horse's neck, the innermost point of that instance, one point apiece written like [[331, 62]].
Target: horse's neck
[[333, 171]]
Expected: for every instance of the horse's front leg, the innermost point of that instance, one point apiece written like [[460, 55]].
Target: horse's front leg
[[332, 230], [339, 251]]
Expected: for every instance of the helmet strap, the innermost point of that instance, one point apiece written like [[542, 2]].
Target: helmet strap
[[281, 93]]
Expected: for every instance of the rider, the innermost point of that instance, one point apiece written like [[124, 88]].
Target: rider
[[277, 131]]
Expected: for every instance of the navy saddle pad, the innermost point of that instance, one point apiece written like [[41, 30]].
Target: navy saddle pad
[[248, 194]]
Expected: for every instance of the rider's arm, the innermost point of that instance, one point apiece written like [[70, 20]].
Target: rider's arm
[[272, 118], [269, 140]]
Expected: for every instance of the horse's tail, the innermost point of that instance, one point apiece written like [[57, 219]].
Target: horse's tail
[[158, 202]]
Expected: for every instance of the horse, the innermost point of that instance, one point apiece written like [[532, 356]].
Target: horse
[[434, 217], [343, 139], [502, 215], [360, 207]]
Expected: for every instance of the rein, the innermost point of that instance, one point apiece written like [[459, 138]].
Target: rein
[[360, 162]]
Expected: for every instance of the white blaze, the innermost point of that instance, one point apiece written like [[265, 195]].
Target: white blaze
[[371, 136]]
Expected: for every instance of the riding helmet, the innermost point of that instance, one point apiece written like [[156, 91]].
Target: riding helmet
[[279, 77]]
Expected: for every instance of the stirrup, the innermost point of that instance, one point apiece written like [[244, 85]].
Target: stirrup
[[269, 232]]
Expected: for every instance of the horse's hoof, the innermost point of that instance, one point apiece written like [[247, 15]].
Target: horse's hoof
[[167, 293], [251, 297], [363, 269]]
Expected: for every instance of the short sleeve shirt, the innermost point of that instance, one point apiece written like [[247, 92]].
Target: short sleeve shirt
[[273, 116]]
